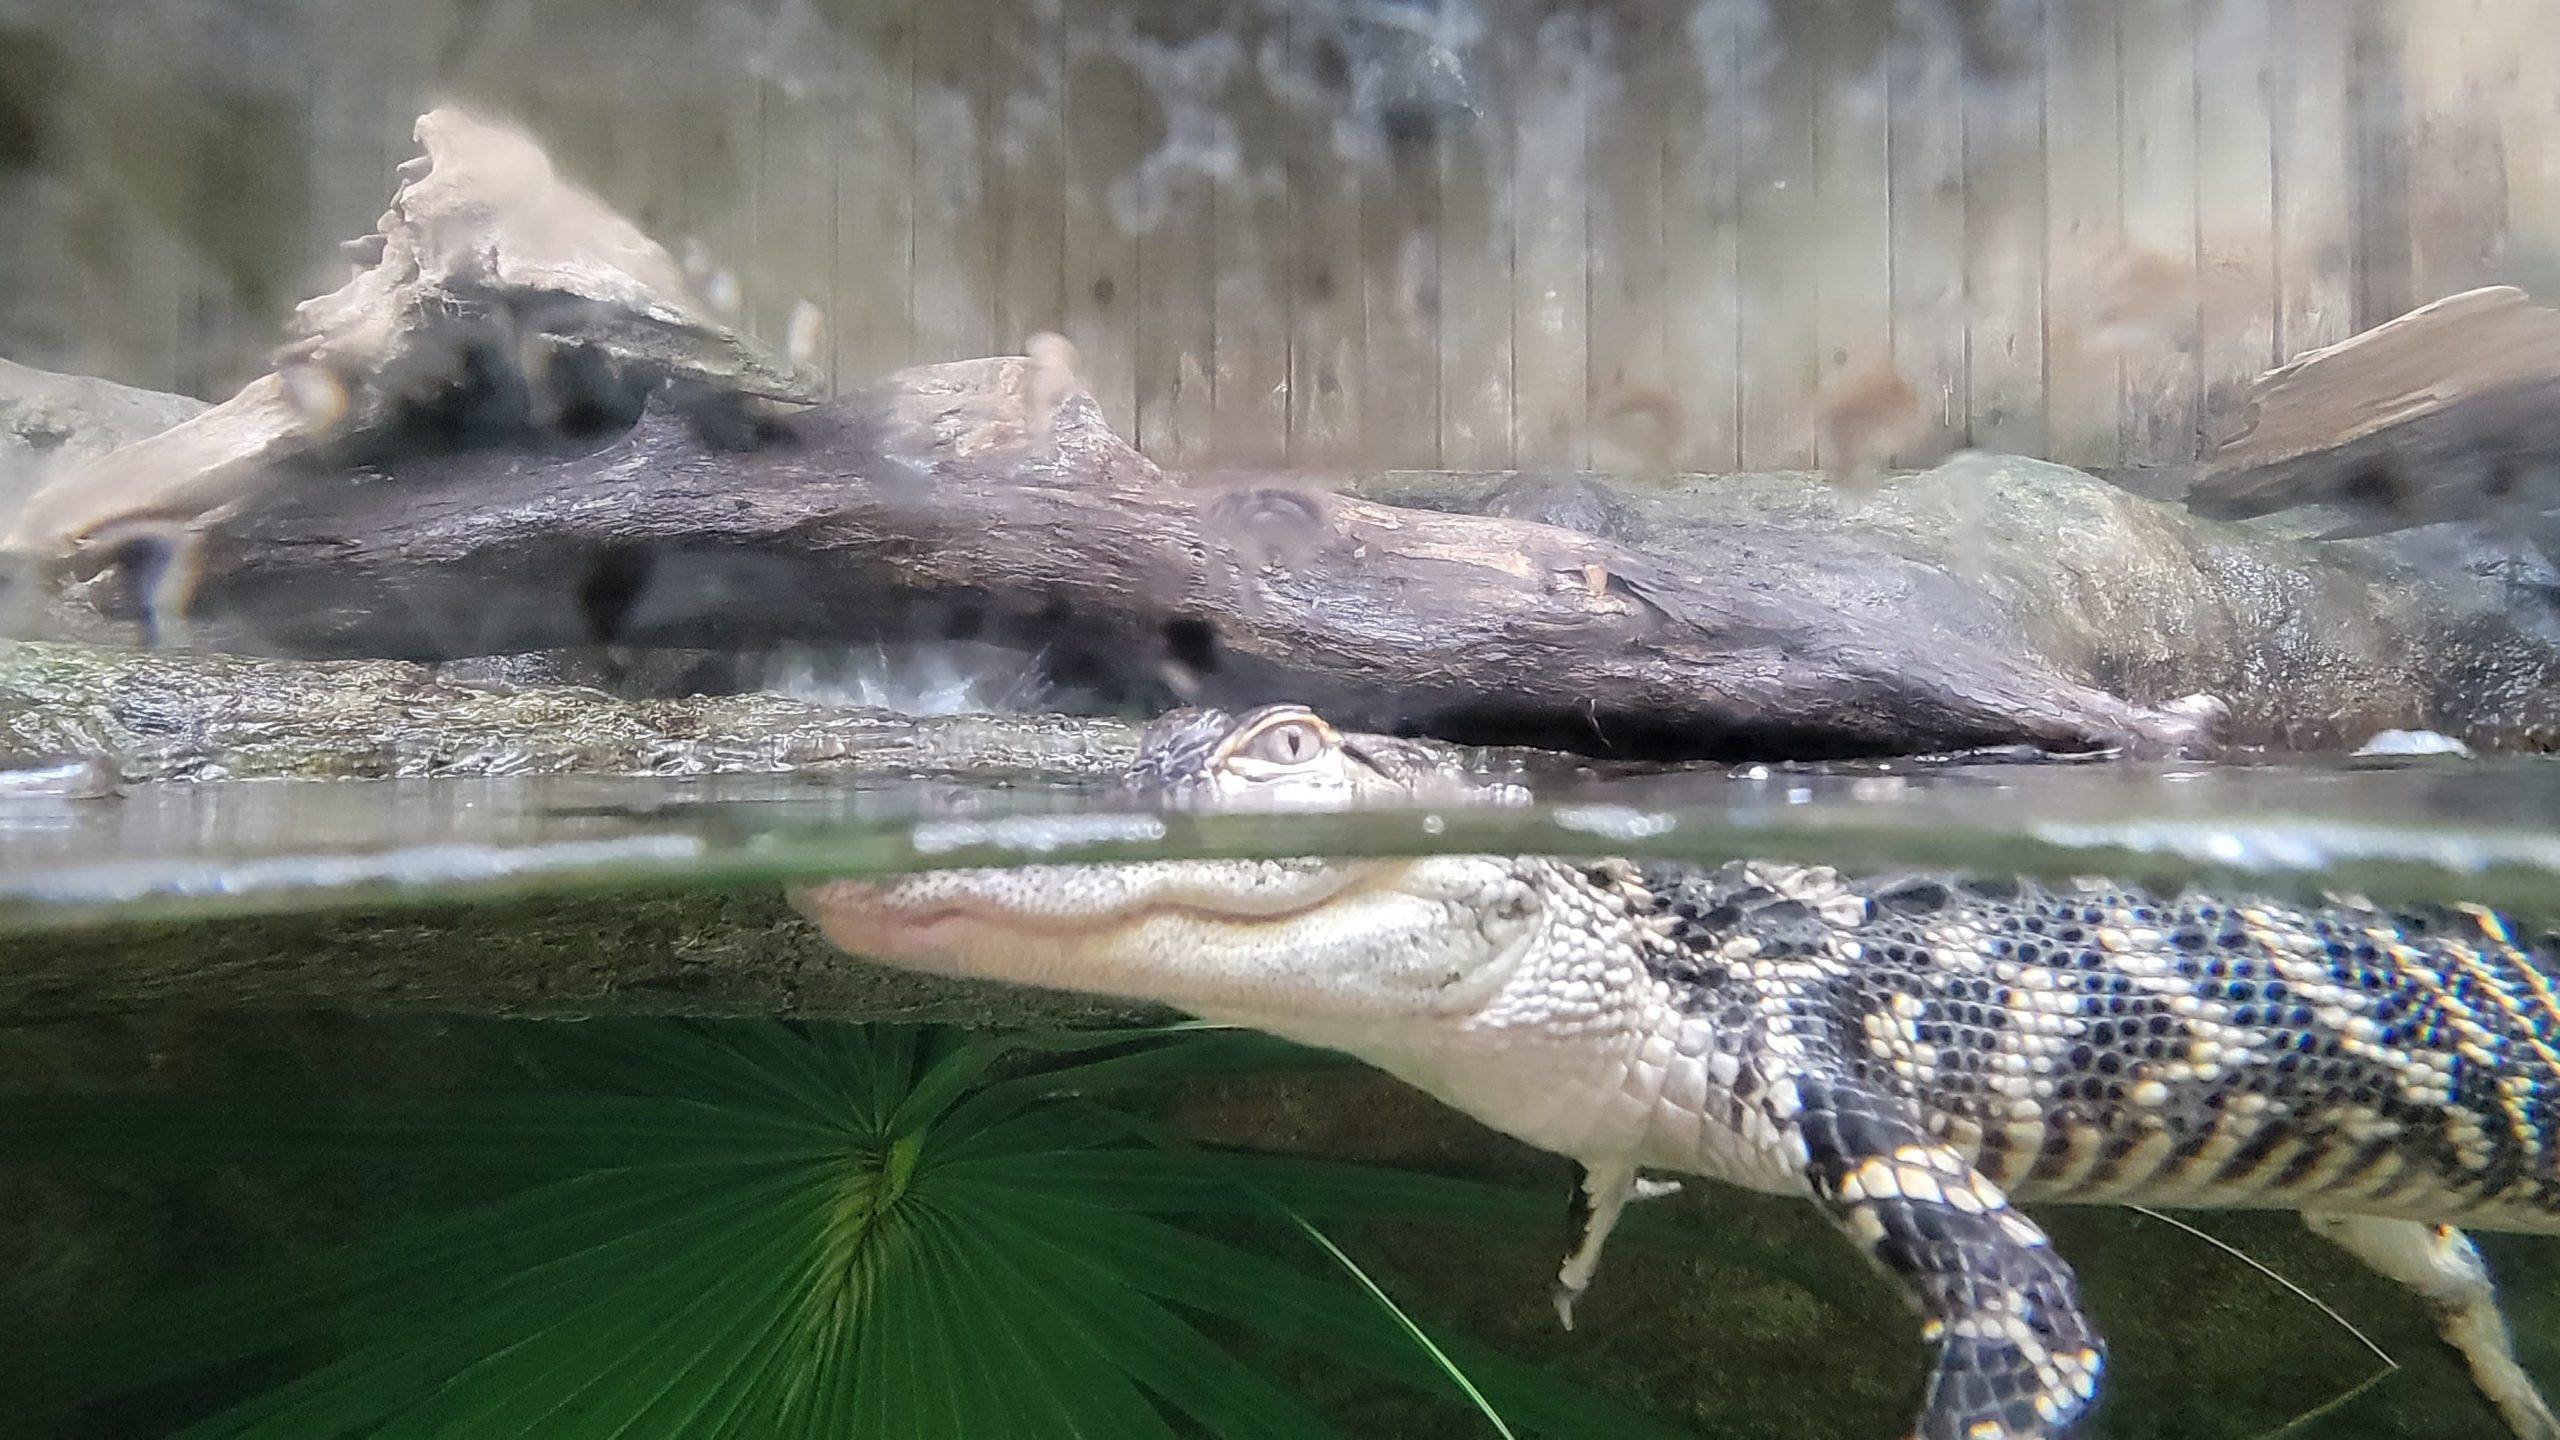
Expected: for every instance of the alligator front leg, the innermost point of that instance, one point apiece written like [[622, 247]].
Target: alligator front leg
[[1600, 1195], [2017, 1357]]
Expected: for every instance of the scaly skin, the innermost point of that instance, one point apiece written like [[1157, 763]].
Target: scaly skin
[[1908, 1053]]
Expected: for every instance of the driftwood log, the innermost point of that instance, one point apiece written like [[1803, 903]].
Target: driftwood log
[[492, 297], [950, 505], [446, 463], [2450, 412]]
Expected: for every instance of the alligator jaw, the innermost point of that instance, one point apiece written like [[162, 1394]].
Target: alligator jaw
[[1291, 945]]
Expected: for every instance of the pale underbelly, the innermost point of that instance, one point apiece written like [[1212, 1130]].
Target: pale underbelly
[[1603, 1108]]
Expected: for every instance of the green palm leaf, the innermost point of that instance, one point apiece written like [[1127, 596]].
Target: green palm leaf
[[771, 1230]]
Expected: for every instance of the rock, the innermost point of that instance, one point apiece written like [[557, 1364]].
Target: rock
[[1582, 503], [2413, 742], [47, 416], [57, 777], [48, 420]]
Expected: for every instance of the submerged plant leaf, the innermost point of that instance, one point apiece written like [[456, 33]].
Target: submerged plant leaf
[[764, 1229]]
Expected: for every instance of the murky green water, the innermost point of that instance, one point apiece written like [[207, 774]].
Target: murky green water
[[253, 1219]]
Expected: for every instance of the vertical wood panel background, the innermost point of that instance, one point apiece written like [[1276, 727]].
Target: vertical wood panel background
[[2087, 259], [2005, 240], [1636, 234]]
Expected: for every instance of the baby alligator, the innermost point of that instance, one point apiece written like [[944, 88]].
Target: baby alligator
[[1916, 1055]]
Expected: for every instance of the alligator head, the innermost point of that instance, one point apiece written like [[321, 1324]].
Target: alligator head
[[1332, 950]]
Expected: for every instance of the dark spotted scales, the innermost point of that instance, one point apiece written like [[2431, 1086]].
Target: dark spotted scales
[[1951, 1045]]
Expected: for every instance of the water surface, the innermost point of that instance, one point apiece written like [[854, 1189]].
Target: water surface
[[2397, 831]]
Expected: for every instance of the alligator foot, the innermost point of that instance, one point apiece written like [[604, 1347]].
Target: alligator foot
[[2017, 1356], [2439, 1262]]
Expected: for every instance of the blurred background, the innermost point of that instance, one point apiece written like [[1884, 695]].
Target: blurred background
[[1715, 235]]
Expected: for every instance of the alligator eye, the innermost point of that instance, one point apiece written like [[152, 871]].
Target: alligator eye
[[1291, 742]]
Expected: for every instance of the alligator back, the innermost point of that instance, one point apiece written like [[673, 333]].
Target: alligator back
[[2110, 1045]]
